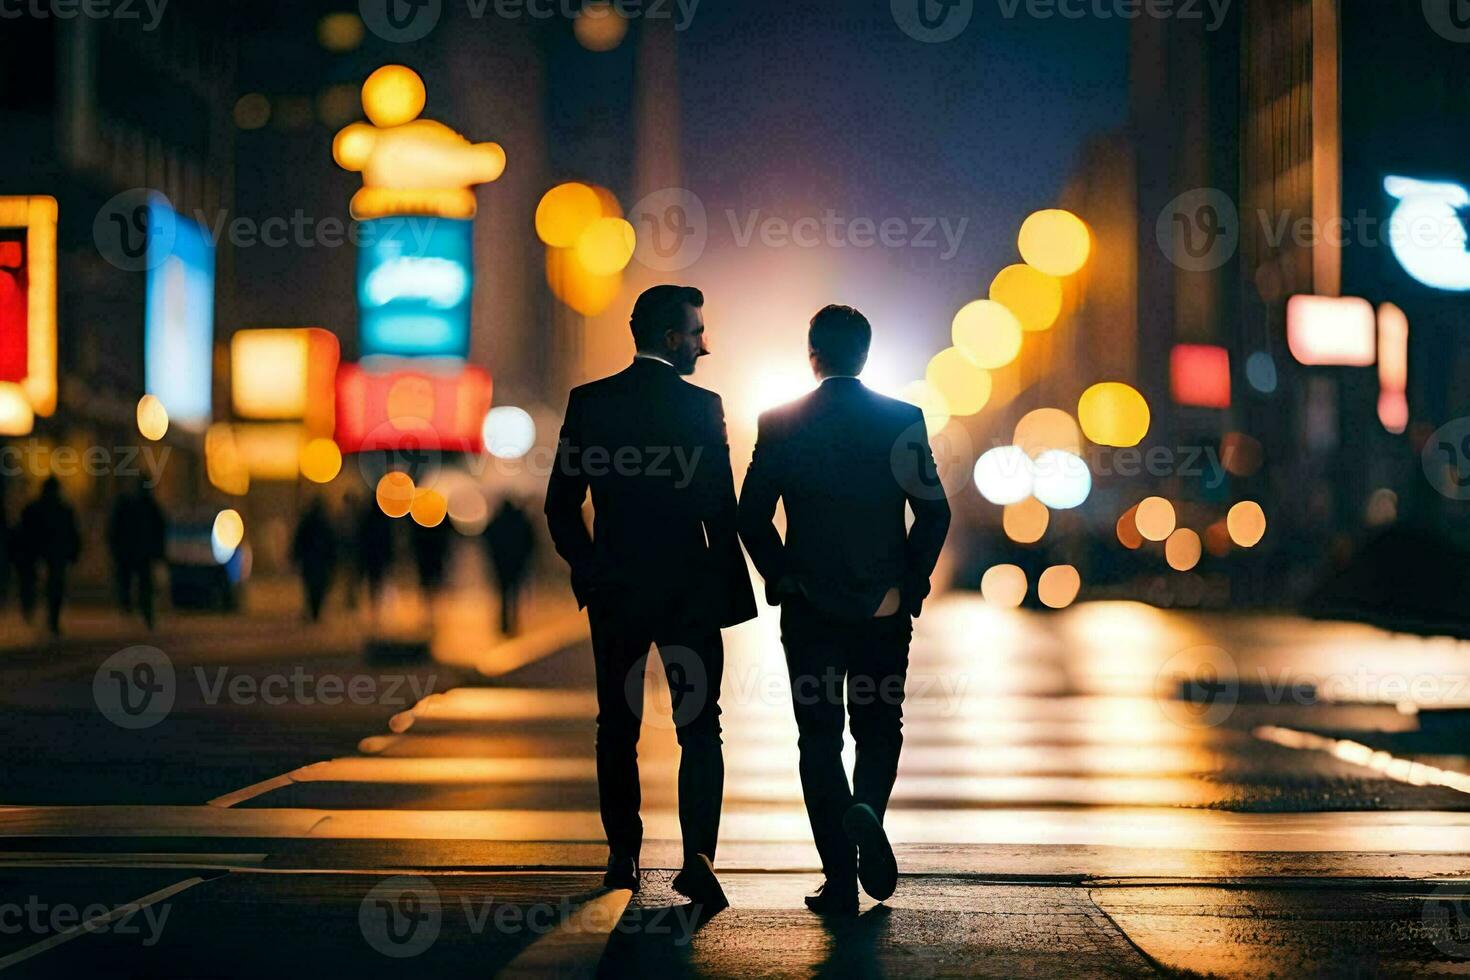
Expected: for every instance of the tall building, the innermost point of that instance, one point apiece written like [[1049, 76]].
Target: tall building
[[97, 111]]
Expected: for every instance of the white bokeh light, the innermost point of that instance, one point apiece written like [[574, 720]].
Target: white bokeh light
[[509, 432], [1004, 475], [1062, 480]]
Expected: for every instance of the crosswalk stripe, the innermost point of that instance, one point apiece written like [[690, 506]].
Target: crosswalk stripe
[[96, 922], [574, 947]]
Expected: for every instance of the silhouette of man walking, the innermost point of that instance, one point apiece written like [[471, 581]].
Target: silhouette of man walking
[[849, 578], [661, 567]]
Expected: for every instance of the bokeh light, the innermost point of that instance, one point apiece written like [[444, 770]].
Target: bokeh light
[[393, 95], [17, 418], [428, 508], [468, 509], [152, 418], [1382, 508], [1217, 539], [1260, 371], [1154, 518], [606, 246], [1026, 522], [1047, 428], [1113, 414], [340, 32], [579, 289], [964, 387], [1240, 454], [1127, 529], [1033, 296], [226, 534], [1004, 585], [509, 432], [930, 401], [395, 493], [987, 333], [1058, 586], [1182, 550], [252, 111], [1055, 242], [1061, 480], [1004, 475], [321, 461], [1247, 523], [565, 212], [599, 26]]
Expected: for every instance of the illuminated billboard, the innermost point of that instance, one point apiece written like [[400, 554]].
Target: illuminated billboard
[[411, 408], [285, 375], [28, 298], [1427, 231], [1332, 331], [178, 341], [14, 317], [414, 282]]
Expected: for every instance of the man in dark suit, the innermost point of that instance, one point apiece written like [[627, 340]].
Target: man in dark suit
[[662, 566], [849, 578]]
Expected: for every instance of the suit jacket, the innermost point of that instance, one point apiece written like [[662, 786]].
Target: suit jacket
[[652, 449], [846, 461]]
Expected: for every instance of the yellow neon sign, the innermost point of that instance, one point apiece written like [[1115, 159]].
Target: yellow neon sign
[[411, 165]]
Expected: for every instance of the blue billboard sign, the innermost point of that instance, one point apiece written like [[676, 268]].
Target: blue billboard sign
[[414, 283], [178, 339]]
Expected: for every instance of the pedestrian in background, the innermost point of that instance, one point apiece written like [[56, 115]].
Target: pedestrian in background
[[431, 554], [314, 553], [373, 549], [137, 533], [510, 541], [47, 536], [350, 564]]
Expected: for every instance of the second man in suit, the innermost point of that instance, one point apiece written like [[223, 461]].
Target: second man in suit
[[850, 577]]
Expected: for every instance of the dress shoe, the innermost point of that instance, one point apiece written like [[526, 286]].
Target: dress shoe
[[877, 868], [622, 872], [697, 882], [834, 899]]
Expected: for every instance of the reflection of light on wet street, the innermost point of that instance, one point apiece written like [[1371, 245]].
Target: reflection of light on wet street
[[1021, 728]]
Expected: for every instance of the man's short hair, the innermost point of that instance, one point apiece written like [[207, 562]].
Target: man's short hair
[[660, 309], [840, 336]]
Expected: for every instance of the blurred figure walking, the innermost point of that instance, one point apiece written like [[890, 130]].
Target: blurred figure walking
[[46, 535], [431, 554], [348, 560], [373, 550], [314, 553], [136, 537], [510, 541]]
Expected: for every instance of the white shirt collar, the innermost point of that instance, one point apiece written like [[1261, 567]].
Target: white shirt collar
[[834, 377], [653, 357]]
